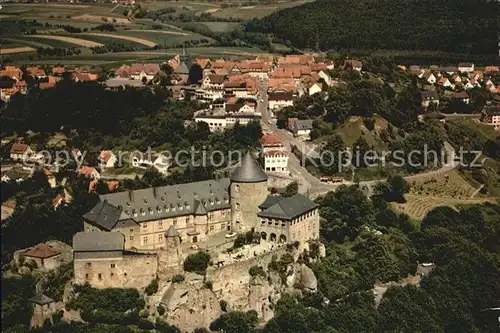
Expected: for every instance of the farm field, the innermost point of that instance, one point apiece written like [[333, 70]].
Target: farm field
[[21, 49], [257, 11], [162, 37], [120, 37], [219, 27], [71, 40]]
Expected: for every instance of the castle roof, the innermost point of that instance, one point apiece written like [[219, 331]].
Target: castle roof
[[172, 232], [93, 241], [289, 208], [150, 204], [249, 171], [199, 209], [41, 299], [182, 69], [270, 201]]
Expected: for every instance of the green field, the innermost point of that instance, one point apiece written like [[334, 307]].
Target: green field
[[218, 27], [29, 40]]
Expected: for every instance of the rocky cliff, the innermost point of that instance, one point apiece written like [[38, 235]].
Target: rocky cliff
[[191, 304]]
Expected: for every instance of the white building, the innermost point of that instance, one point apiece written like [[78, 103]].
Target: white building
[[465, 67], [278, 101], [218, 122], [275, 155], [20, 152], [107, 159]]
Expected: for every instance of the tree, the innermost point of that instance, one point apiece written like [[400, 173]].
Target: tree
[[197, 263], [236, 322], [291, 189], [360, 156], [195, 74], [333, 157]]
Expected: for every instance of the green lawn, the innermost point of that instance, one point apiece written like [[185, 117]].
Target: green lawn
[[219, 27], [49, 42]]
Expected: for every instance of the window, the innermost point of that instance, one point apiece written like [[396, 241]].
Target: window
[[88, 264], [236, 188], [160, 224], [113, 265], [99, 276], [237, 206], [145, 240], [112, 274], [263, 222], [144, 225], [86, 276], [134, 212], [160, 238], [175, 221], [131, 230], [143, 212], [212, 228], [188, 220], [150, 210], [131, 238], [158, 209]]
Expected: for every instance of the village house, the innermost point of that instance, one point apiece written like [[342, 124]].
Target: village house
[[450, 70], [445, 82], [107, 159], [429, 97], [36, 72], [43, 255], [275, 155], [20, 152], [492, 116], [213, 82], [89, 172], [246, 108], [219, 121], [160, 163], [8, 208], [58, 70], [300, 127], [314, 89], [50, 178], [7, 89], [491, 69], [354, 64], [16, 174], [280, 100], [12, 72], [429, 77], [465, 67], [463, 96]]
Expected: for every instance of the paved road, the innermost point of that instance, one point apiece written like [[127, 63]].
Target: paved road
[[315, 186]]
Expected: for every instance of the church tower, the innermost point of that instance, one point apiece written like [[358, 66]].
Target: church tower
[[170, 256], [248, 190]]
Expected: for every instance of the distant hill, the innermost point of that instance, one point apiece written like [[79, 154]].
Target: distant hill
[[461, 26]]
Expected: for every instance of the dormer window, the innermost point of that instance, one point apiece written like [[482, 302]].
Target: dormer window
[[162, 199], [158, 209], [143, 212], [218, 201], [128, 204], [150, 210], [167, 209], [145, 201], [172, 207], [236, 188], [134, 212], [211, 202]]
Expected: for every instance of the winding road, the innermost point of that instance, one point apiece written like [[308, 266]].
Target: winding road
[[315, 186]]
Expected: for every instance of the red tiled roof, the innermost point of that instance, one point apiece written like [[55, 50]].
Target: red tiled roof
[[45, 85], [19, 148], [271, 139], [276, 153], [105, 155], [86, 170], [36, 71], [42, 251], [113, 185]]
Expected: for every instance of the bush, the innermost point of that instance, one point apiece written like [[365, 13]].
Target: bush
[[144, 313], [369, 123], [209, 284], [257, 270], [177, 278], [223, 305], [152, 288], [197, 263], [161, 310]]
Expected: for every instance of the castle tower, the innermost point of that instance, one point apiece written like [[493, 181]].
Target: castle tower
[[170, 256], [248, 190]]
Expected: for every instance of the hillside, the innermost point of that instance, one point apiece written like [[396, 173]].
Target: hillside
[[461, 26]]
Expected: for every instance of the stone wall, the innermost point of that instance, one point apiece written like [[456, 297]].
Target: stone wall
[[125, 271]]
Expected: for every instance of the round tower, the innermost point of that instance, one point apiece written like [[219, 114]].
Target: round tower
[[248, 190], [170, 256]]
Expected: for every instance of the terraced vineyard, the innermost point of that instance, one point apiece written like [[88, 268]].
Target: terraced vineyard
[[449, 189], [418, 206]]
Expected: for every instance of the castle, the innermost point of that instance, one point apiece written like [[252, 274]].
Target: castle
[[131, 237]]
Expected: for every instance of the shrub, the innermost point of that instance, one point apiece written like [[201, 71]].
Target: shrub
[[257, 270], [144, 313], [369, 123], [223, 305], [209, 284], [177, 278], [152, 288], [161, 310], [197, 263]]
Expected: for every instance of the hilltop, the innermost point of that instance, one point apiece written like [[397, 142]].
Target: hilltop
[[448, 25]]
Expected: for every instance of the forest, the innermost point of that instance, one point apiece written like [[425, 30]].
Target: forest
[[463, 26]]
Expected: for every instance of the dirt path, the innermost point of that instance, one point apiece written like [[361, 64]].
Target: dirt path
[[163, 32]]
